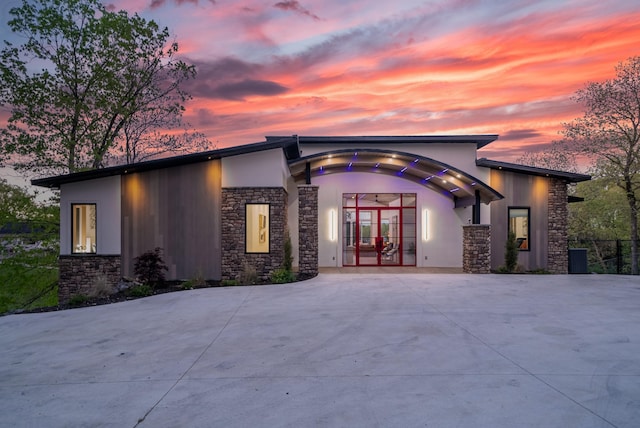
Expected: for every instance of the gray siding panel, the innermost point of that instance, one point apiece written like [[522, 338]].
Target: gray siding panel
[[177, 209]]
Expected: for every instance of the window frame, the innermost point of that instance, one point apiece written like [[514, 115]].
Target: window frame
[[247, 228], [73, 245], [528, 219]]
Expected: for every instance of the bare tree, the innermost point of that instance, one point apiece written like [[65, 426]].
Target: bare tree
[[557, 156]]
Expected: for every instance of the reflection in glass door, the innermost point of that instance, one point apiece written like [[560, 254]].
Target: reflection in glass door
[[378, 229]]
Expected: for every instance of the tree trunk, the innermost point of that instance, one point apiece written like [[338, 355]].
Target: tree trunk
[[633, 205]]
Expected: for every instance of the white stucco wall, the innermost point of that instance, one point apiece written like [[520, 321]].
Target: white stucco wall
[[266, 168], [443, 248], [106, 194]]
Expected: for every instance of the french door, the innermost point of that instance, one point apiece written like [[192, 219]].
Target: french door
[[379, 229]]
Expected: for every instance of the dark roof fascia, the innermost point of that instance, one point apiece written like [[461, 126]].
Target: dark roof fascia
[[571, 177], [479, 140], [288, 145]]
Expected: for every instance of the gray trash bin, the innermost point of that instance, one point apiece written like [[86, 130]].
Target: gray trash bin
[[578, 260]]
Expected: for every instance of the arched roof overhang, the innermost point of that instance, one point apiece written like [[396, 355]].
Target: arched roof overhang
[[462, 188]]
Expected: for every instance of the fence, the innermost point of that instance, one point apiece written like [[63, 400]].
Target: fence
[[606, 256]]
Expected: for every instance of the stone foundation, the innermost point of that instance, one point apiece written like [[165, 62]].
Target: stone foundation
[[476, 248], [308, 230], [234, 255], [81, 274], [558, 247]]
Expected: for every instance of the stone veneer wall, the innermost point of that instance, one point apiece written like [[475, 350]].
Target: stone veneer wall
[[80, 273], [476, 248], [308, 230], [558, 253], [234, 256]]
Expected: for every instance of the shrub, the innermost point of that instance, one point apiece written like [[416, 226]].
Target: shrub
[[511, 252], [282, 276], [248, 276], [143, 290], [149, 268], [78, 300], [196, 282], [100, 288], [288, 256]]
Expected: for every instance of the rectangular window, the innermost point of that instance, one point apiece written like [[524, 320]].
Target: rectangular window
[[83, 228], [257, 228], [519, 225]]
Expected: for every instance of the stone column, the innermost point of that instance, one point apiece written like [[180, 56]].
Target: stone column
[[558, 250], [476, 248], [234, 255], [308, 230]]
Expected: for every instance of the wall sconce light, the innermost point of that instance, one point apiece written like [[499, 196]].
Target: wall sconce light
[[426, 233], [333, 225]]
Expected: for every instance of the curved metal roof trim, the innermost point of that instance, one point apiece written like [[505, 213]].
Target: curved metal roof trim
[[433, 174]]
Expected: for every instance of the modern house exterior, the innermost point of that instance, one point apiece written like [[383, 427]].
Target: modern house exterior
[[412, 201]]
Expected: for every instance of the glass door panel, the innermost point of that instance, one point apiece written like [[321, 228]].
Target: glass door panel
[[349, 236], [379, 229], [368, 226], [390, 230], [409, 236]]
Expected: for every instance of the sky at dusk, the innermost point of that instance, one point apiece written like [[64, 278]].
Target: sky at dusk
[[404, 67]]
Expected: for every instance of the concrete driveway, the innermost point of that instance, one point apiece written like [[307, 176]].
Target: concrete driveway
[[340, 350]]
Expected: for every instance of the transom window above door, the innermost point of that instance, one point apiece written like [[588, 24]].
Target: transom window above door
[[379, 200]]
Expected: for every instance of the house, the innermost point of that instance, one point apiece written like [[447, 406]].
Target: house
[[424, 201]]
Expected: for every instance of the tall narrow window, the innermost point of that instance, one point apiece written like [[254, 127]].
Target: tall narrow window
[[257, 228], [519, 225], [83, 228]]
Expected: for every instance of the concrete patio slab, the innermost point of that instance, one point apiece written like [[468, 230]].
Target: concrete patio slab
[[343, 349]]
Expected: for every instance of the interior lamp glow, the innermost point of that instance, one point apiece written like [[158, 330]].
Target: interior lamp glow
[[333, 225], [425, 225]]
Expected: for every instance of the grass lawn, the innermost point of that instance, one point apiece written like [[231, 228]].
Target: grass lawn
[[28, 281]]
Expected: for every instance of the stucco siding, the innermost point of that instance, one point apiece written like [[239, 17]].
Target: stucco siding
[[441, 248], [105, 193], [266, 168]]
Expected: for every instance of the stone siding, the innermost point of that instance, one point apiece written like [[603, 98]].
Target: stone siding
[[308, 230], [476, 248], [558, 253], [234, 255], [80, 274]]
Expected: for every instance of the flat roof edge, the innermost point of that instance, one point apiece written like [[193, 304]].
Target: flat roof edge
[[288, 145], [480, 140], [572, 177]]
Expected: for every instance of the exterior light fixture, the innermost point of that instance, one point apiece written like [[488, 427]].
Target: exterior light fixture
[[425, 225], [333, 225]]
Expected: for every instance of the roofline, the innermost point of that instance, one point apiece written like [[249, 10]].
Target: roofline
[[480, 140], [446, 167], [571, 177], [287, 144]]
